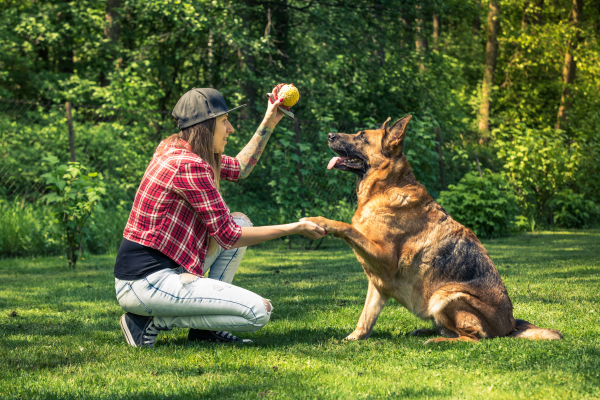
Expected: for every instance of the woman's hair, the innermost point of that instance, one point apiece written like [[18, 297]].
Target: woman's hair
[[200, 137]]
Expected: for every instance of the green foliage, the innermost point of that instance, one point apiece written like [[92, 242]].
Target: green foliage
[[74, 196], [420, 148], [26, 229], [538, 164], [486, 205], [30, 229], [353, 62], [572, 210]]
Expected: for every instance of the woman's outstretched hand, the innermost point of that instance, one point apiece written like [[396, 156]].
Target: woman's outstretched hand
[[310, 230], [273, 114], [258, 234]]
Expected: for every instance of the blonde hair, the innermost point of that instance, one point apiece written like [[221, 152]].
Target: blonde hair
[[200, 137]]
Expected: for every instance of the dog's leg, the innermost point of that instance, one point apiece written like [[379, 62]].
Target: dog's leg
[[374, 254], [374, 303], [457, 339]]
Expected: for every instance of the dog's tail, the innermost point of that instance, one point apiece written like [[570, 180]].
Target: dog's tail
[[526, 330]]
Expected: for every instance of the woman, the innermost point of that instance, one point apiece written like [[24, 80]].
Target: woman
[[180, 226]]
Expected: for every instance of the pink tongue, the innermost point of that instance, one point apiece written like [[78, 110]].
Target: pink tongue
[[332, 162]]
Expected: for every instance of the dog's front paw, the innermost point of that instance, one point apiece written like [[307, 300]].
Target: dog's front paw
[[333, 227], [357, 335]]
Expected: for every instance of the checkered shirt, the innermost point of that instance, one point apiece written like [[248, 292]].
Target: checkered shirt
[[178, 207]]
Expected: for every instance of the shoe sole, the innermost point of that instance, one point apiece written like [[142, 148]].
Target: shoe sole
[[243, 341], [126, 332]]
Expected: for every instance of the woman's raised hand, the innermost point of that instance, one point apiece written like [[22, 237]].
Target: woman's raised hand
[[310, 230], [273, 114]]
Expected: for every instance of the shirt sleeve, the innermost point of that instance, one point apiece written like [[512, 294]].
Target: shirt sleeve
[[230, 168], [194, 182]]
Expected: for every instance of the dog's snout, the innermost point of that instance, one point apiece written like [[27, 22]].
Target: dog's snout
[[332, 136]]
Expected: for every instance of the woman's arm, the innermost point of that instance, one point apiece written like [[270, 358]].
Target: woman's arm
[[253, 235], [250, 154]]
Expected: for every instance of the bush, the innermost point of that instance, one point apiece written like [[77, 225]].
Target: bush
[[571, 210], [486, 205], [538, 164], [74, 196]]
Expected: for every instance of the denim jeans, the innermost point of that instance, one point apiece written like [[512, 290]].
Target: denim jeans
[[176, 298]]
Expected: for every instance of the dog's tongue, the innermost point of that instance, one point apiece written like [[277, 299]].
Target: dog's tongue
[[332, 162]]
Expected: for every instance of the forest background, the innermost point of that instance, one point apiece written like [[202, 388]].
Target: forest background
[[504, 94]]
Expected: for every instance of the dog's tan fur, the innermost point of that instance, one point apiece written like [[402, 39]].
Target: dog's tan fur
[[414, 252]]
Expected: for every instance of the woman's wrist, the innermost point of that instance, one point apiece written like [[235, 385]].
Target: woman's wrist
[[296, 227], [267, 123]]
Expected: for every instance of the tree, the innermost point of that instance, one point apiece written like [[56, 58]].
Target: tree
[[570, 65], [491, 55]]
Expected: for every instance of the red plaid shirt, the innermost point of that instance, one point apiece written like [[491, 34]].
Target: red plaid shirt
[[178, 207]]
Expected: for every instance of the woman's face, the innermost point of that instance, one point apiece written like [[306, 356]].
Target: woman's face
[[223, 129]]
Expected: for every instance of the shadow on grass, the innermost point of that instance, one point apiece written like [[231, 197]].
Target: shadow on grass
[[298, 387]]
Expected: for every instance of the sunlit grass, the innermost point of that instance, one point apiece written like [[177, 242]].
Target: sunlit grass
[[65, 341]]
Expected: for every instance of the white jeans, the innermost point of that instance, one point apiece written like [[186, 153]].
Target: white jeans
[[176, 298]]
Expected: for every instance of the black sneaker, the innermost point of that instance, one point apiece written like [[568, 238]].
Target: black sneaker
[[199, 335], [139, 331]]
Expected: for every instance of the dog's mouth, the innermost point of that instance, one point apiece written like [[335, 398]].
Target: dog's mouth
[[351, 164]]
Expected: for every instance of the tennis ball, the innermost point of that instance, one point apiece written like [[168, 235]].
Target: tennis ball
[[290, 94]]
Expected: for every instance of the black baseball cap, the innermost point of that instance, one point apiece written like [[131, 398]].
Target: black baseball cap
[[199, 105]]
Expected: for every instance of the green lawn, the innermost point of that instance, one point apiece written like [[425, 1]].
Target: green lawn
[[65, 341]]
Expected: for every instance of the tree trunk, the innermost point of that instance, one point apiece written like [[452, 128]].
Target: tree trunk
[[210, 59], [378, 39], [247, 64], [476, 23], [420, 37], [280, 27], [66, 62], [111, 32], [440, 158], [532, 13], [299, 165], [491, 54], [598, 17], [570, 67], [436, 29], [478, 165]]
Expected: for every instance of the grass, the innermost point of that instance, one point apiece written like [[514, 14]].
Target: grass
[[65, 341]]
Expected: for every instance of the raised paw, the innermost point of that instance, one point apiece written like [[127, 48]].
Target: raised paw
[[333, 227]]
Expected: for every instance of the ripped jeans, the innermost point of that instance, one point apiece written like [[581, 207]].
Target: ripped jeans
[[176, 298]]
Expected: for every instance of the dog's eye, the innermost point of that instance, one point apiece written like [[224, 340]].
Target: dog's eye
[[363, 137]]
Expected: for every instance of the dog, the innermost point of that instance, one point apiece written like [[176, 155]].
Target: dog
[[413, 251]]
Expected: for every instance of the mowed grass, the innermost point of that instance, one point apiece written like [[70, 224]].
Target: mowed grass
[[65, 341]]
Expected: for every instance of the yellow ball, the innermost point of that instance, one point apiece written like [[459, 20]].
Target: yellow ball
[[290, 93]]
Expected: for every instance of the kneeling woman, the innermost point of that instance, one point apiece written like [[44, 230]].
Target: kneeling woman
[[179, 227]]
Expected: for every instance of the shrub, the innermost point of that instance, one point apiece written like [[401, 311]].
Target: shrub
[[538, 164], [74, 196], [485, 204], [572, 210]]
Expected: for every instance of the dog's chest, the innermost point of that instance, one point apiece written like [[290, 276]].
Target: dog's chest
[[406, 286]]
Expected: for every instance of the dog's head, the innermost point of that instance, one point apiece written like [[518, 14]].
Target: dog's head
[[369, 149]]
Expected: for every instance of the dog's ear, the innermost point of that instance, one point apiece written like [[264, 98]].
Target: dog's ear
[[386, 125], [393, 137]]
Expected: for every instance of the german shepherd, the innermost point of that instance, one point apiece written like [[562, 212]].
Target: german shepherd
[[413, 251]]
